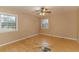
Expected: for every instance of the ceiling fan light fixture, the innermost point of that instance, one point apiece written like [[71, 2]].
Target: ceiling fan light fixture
[[42, 14], [43, 11]]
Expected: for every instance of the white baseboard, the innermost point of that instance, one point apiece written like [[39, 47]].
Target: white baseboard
[[59, 36], [18, 40]]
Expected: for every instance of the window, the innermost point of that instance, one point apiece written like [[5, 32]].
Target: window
[[8, 22], [44, 23]]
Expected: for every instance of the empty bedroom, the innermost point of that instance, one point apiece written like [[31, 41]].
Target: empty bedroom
[[39, 29]]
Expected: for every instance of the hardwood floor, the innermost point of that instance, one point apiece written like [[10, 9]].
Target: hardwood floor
[[33, 45]]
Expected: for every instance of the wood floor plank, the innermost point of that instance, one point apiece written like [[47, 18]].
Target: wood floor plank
[[33, 45]]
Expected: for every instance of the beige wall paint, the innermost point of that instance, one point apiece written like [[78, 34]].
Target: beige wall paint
[[62, 22], [27, 25], [78, 22]]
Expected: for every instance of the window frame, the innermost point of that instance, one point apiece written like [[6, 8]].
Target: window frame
[[16, 19], [41, 24]]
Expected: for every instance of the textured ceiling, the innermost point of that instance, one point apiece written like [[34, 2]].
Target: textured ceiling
[[31, 9]]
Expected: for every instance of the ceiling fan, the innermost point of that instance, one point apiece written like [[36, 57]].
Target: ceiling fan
[[42, 11]]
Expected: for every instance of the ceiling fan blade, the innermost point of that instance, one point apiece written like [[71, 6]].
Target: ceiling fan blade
[[37, 10], [47, 11]]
